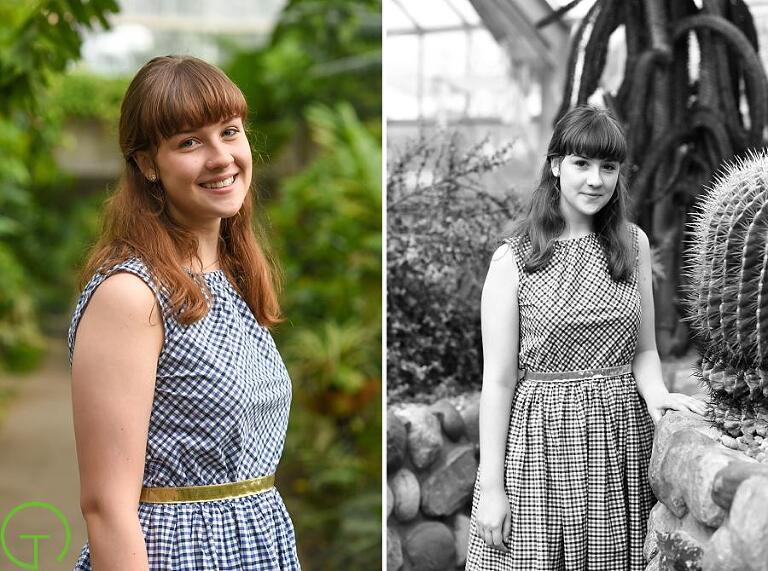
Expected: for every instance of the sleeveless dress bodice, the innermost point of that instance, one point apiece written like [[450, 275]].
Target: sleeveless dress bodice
[[219, 415]]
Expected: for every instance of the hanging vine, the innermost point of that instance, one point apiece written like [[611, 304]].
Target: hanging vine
[[694, 94]]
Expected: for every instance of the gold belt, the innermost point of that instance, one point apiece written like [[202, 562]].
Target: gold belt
[[580, 375], [228, 491]]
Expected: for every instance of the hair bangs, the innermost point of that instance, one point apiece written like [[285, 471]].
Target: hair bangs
[[599, 138], [190, 96]]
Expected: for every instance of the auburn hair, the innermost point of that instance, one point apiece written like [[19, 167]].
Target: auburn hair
[[592, 133], [170, 94]]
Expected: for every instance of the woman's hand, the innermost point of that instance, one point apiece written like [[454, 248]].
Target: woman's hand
[[494, 518], [659, 404]]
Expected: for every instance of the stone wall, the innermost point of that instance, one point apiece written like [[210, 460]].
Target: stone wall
[[432, 458], [712, 512]]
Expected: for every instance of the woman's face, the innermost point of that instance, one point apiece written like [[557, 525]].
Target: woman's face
[[205, 172], [586, 184]]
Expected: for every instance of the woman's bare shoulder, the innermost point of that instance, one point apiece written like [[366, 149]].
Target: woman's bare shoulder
[[124, 296]]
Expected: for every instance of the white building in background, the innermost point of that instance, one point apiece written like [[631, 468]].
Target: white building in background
[[480, 66], [203, 28]]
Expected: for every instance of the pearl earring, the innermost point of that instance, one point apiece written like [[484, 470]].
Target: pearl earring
[[152, 177], [556, 172]]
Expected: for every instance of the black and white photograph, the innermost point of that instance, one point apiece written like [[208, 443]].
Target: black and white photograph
[[576, 294]]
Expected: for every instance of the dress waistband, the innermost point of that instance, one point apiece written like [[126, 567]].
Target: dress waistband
[[579, 375], [213, 492]]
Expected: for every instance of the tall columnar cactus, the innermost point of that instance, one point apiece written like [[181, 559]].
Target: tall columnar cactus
[[728, 271], [693, 94]]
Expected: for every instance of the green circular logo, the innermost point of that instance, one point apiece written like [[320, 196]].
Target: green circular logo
[[35, 538]]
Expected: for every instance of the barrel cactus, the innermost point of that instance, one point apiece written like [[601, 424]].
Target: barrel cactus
[[728, 275]]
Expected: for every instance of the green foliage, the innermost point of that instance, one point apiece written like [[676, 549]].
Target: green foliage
[[37, 41], [326, 223], [442, 226], [85, 95], [322, 51]]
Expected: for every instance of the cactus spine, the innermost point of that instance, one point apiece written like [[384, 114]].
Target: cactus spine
[[727, 268]]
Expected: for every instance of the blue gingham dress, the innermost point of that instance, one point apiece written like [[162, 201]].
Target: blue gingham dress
[[219, 414], [577, 452]]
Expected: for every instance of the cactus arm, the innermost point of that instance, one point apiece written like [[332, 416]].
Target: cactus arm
[[741, 17], [657, 24], [635, 40], [641, 82], [659, 151], [596, 49], [712, 122], [757, 84], [573, 59]]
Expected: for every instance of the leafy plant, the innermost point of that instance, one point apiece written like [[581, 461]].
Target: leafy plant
[[442, 226], [37, 41], [326, 223], [321, 51]]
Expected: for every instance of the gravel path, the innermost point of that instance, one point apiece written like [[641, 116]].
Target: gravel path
[[38, 463]]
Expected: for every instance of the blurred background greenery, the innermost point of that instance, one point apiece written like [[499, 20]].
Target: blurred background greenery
[[312, 77]]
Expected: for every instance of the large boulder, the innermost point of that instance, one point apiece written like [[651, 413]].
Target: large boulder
[[394, 550], [430, 547], [425, 438], [470, 413], [450, 419], [697, 491], [670, 473], [396, 442], [748, 522], [729, 478], [407, 494], [461, 538], [450, 483]]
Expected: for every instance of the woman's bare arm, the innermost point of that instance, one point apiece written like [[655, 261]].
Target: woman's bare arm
[[646, 365], [500, 328], [114, 362]]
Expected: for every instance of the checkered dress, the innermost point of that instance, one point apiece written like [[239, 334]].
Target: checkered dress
[[219, 415], [577, 451]]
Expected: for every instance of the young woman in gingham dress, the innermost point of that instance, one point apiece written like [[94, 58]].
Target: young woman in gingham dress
[[180, 397], [572, 379]]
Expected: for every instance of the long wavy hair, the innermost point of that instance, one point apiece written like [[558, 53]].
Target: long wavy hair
[[593, 133], [170, 94]]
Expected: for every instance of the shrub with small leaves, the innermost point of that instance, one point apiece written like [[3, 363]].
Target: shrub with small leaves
[[442, 226]]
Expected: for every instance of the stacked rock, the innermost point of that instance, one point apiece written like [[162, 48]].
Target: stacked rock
[[728, 271], [712, 513], [432, 453]]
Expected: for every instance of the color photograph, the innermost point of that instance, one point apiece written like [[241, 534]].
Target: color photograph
[[190, 285]]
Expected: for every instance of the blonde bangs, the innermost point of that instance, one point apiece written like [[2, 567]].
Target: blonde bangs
[[194, 95]]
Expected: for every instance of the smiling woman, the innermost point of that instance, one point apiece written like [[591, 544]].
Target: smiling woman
[[180, 397], [572, 380]]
